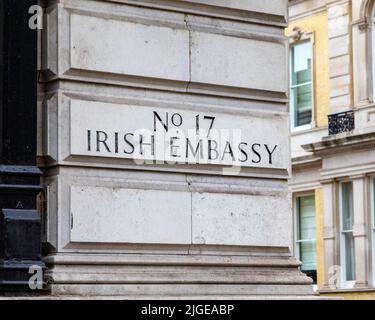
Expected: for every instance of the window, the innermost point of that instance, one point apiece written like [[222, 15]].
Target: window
[[347, 239], [301, 101], [306, 234]]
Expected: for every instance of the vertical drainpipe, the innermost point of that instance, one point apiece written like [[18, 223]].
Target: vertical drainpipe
[[20, 222]]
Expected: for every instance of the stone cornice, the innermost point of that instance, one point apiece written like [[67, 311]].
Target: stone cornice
[[341, 143], [306, 161], [217, 8]]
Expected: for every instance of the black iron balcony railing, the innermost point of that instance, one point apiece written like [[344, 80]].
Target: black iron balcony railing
[[341, 122]]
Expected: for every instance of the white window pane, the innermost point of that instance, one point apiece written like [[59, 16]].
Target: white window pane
[[347, 220], [301, 83], [306, 218], [349, 256], [306, 230], [302, 98], [308, 255], [347, 205], [301, 63]]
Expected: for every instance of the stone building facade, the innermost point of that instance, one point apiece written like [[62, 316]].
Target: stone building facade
[[118, 218], [332, 84]]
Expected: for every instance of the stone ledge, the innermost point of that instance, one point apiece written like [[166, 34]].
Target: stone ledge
[[184, 291], [176, 259], [341, 143], [247, 13], [352, 290]]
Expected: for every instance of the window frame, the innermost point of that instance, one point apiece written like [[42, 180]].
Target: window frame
[[345, 284], [305, 37], [296, 224]]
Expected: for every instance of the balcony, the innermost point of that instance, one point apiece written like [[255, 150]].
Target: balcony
[[341, 122]]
